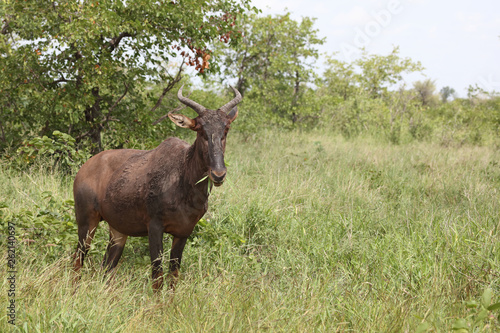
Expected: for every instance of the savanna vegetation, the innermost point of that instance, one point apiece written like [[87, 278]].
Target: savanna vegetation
[[354, 201]]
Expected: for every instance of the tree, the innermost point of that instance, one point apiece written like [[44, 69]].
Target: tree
[[425, 91], [77, 66], [360, 96], [446, 93], [340, 79], [371, 74], [274, 63], [382, 72]]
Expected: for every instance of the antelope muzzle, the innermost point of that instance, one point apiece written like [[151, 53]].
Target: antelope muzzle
[[218, 176]]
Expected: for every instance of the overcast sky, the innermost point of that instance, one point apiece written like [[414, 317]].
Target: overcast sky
[[458, 42]]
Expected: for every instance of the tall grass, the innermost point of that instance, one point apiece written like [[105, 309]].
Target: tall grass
[[310, 233]]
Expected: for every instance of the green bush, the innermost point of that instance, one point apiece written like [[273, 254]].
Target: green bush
[[48, 224], [61, 148]]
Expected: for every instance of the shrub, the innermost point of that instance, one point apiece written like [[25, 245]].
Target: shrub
[[61, 148]]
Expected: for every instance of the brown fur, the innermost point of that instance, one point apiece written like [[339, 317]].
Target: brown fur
[[148, 193]]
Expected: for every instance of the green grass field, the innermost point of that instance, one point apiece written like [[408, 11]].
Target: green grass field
[[311, 233]]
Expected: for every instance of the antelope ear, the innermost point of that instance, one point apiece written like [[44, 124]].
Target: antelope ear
[[233, 114], [182, 121]]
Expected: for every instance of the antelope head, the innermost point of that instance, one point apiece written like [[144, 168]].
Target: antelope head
[[212, 127]]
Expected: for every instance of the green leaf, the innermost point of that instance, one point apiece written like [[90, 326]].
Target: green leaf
[[199, 181], [423, 327], [482, 315], [202, 222], [486, 298], [46, 194], [471, 304], [460, 325], [494, 307]]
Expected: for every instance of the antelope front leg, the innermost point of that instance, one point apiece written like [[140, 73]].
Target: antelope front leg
[[155, 234], [175, 259]]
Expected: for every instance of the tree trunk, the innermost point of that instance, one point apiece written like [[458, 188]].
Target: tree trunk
[[295, 98], [92, 116]]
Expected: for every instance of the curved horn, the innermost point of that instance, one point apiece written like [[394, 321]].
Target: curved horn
[[229, 106], [192, 104]]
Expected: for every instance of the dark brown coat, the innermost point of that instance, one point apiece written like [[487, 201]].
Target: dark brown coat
[[150, 192]]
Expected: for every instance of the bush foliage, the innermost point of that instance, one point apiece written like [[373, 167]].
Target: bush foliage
[[89, 100]]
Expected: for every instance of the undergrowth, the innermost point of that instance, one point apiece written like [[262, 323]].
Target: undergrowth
[[311, 232]]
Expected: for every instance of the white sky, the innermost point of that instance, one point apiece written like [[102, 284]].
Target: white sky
[[458, 42]]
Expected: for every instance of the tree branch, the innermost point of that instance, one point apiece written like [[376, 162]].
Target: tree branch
[[113, 43], [81, 136], [119, 99], [169, 87], [54, 7], [62, 79], [38, 79], [5, 28]]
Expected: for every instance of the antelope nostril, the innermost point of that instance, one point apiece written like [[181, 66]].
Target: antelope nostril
[[218, 176]]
